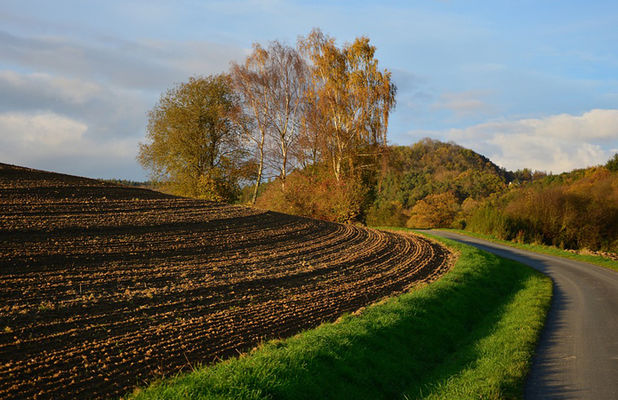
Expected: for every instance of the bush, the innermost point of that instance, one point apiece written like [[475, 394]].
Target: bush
[[434, 211], [314, 193], [386, 214]]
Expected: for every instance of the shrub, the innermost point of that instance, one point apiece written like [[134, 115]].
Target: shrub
[[314, 193], [434, 211]]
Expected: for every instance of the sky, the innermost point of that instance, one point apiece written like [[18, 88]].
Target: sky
[[529, 84]]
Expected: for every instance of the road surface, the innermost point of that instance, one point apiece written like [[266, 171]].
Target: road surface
[[577, 356]]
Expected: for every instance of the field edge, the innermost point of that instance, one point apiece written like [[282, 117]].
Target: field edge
[[461, 344]]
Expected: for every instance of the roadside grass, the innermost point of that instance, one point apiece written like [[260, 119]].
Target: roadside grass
[[470, 334], [539, 248]]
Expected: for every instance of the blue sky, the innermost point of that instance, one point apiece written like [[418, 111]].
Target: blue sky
[[526, 83]]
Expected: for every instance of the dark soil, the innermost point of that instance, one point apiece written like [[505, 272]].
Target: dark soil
[[104, 287]]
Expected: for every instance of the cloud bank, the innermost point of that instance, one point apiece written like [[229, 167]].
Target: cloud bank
[[80, 107], [44, 138], [97, 69]]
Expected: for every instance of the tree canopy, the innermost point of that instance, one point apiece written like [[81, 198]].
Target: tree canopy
[[272, 85], [193, 145], [320, 107], [352, 99]]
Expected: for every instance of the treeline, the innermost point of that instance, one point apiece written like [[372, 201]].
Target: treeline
[[303, 130], [128, 182], [574, 210], [442, 185], [314, 113], [432, 184]]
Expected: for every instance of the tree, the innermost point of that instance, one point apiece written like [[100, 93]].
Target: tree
[[307, 150], [434, 211], [250, 82], [272, 84], [352, 96], [290, 78], [193, 146], [612, 163]]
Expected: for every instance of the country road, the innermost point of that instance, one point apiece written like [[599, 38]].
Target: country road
[[577, 357]]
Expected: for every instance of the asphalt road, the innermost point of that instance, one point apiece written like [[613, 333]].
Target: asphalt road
[[577, 357]]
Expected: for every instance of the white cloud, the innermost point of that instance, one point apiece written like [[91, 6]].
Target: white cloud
[[86, 113], [22, 132], [595, 124], [108, 111], [545, 153], [56, 142], [556, 143], [46, 86]]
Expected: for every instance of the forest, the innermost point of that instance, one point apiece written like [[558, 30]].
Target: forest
[[303, 130]]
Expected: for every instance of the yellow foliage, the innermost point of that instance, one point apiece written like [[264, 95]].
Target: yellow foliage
[[434, 211]]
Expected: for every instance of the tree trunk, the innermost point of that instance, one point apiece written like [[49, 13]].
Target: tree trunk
[[283, 168], [257, 185], [337, 168], [258, 180]]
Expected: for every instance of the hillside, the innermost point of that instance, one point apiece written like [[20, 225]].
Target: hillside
[[105, 287], [426, 184]]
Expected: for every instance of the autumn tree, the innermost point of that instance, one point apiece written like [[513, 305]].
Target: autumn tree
[[290, 75], [307, 150], [434, 211], [272, 84], [612, 163], [250, 81], [353, 98], [193, 146], [340, 136]]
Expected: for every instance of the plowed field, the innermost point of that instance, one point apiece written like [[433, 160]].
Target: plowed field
[[104, 287]]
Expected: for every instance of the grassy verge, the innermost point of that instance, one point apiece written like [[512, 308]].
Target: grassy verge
[[539, 248], [470, 334]]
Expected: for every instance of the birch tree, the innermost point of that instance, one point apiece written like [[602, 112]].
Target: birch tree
[[251, 81], [290, 78], [353, 97], [272, 83]]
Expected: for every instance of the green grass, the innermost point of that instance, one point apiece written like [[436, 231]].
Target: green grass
[[471, 334], [539, 248]]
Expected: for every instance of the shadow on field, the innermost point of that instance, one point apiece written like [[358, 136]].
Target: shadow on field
[[165, 241], [89, 191], [414, 354], [407, 347]]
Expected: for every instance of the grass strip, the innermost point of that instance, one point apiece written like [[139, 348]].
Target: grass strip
[[539, 248], [471, 334]]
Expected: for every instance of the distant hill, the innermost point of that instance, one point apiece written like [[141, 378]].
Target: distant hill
[[432, 184], [431, 174]]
